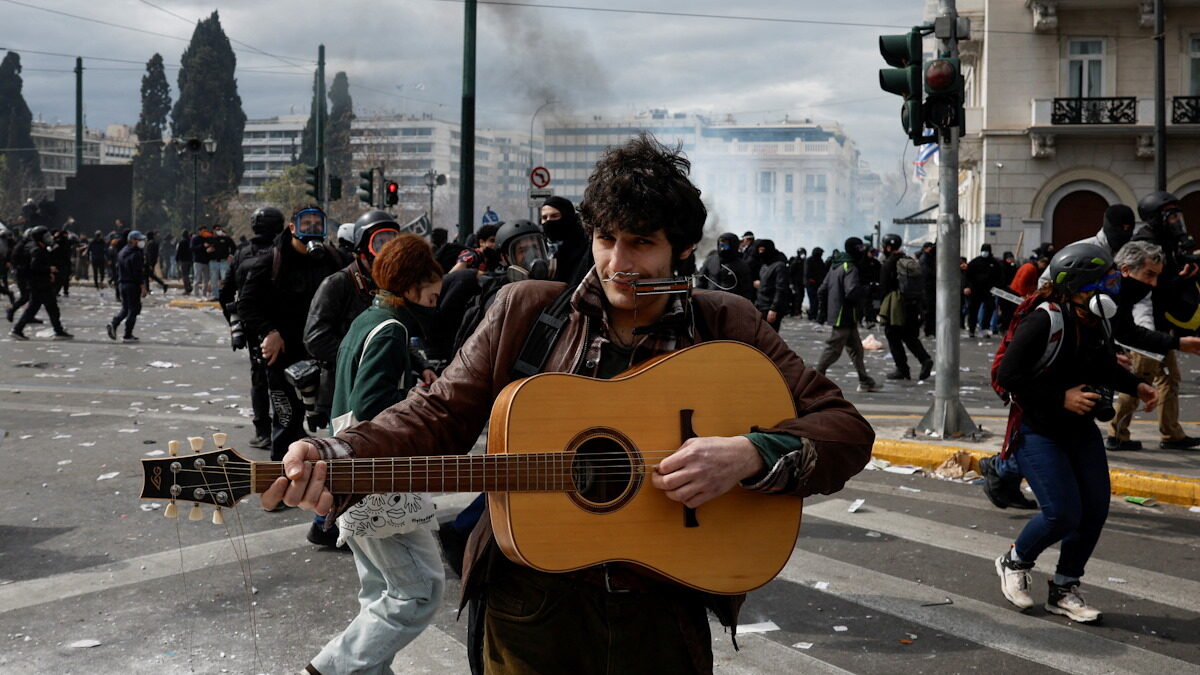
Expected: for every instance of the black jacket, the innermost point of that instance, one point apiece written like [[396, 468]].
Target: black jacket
[[727, 272], [815, 270], [1085, 357], [239, 268], [131, 265], [278, 289], [774, 291], [984, 273], [340, 298]]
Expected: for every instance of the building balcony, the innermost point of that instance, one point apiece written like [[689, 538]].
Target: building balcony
[[1100, 110], [1111, 114], [1185, 110]]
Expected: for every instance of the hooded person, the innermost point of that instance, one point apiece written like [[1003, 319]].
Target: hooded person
[[843, 293], [724, 269], [815, 269], [573, 250], [774, 289]]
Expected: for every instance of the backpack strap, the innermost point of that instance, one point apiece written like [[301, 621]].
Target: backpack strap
[[542, 336], [1054, 339]]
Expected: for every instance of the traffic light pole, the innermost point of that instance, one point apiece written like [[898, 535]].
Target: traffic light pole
[[319, 129], [948, 418], [466, 158]]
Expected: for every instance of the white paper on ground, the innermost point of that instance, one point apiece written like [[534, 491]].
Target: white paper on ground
[[803, 645], [761, 627], [856, 504]]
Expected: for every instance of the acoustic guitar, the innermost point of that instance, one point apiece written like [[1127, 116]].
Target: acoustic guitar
[[567, 470]]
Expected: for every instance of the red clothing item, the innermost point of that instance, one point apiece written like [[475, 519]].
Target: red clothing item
[[1025, 280]]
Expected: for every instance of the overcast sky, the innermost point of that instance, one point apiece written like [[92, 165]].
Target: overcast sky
[[405, 56]]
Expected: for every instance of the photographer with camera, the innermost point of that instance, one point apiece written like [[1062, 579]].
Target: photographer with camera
[[1057, 368], [273, 303], [266, 224]]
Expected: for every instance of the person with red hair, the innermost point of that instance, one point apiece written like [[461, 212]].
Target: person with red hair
[[396, 553]]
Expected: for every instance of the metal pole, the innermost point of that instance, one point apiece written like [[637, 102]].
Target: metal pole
[[319, 129], [1160, 98], [195, 191], [78, 114], [947, 418], [532, 215], [466, 158]]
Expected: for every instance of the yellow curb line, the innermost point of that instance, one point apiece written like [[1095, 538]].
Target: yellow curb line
[[193, 304], [1165, 488]]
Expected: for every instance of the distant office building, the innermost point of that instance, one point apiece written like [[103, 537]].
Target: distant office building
[[55, 144]]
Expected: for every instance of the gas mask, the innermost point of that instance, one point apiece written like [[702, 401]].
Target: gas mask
[[310, 229], [1103, 302], [378, 239], [528, 258]]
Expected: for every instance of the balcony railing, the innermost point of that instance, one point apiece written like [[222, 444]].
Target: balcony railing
[[1185, 110], [1106, 110]]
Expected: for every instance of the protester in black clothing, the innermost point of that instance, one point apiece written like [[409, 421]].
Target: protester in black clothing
[[983, 274], [19, 259], [928, 259], [95, 254], [152, 258], [183, 260], [795, 272], [273, 303], [573, 255], [7, 243], [446, 252], [41, 279], [132, 286], [219, 248], [724, 270], [749, 253], [815, 269], [60, 257], [774, 291], [903, 286], [266, 224]]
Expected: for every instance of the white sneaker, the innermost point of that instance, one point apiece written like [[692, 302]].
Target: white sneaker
[[1066, 601], [1015, 580]]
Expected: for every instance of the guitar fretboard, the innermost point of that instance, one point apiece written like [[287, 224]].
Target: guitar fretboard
[[528, 472]]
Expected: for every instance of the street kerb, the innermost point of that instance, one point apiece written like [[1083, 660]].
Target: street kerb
[[181, 303], [1165, 488]]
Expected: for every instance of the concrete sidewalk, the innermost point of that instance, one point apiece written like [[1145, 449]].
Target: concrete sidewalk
[[1168, 476]]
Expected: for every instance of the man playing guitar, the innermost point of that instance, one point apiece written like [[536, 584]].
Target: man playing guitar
[[645, 219]]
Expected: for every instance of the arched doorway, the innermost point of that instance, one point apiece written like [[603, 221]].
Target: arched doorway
[[1078, 215]]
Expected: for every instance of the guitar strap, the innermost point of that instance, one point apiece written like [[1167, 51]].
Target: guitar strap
[[542, 336]]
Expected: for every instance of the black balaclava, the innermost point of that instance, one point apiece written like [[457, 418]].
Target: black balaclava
[[1118, 226], [854, 248], [566, 227]]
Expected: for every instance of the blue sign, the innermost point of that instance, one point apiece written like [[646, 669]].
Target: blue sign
[[490, 217], [991, 220]]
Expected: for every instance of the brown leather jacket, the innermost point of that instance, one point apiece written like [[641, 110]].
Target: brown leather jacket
[[448, 417]]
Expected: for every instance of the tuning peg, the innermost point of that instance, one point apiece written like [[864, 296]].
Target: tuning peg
[[197, 443], [195, 513], [171, 511], [220, 438], [218, 519], [173, 448]]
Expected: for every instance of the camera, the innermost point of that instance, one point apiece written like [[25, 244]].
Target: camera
[[1103, 410], [305, 376], [237, 332]]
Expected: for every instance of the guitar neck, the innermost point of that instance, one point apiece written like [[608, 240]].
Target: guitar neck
[[527, 472]]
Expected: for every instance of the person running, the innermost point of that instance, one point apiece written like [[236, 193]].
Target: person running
[[1052, 425], [843, 293]]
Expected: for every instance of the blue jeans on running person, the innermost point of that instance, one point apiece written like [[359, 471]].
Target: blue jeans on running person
[[402, 583], [1069, 476]]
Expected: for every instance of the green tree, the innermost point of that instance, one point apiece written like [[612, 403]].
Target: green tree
[[208, 106], [308, 141], [152, 183], [285, 191], [337, 138], [21, 168]]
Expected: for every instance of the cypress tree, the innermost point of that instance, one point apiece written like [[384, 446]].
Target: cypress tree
[[152, 183], [21, 168], [208, 106], [308, 142], [337, 139]]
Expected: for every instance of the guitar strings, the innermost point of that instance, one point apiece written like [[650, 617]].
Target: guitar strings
[[247, 574]]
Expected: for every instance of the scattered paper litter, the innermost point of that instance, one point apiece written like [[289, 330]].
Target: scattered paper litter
[[955, 466], [871, 343], [1117, 580], [189, 408], [761, 627], [59, 437], [821, 585], [127, 431], [856, 504], [162, 364], [906, 469], [1194, 509], [80, 414], [83, 644], [803, 645], [841, 629], [909, 489], [874, 534], [154, 453], [106, 476], [87, 444], [62, 462], [153, 506]]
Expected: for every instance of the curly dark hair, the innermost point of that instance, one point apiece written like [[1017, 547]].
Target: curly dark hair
[[642, 187], [405, 262]]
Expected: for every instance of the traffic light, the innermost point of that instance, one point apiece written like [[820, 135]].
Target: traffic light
[[366, 188], [945, 85], [392, 193], [313, 180], [335, 188], [903, 52]]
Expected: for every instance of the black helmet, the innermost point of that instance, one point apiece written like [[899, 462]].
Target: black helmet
[[510, 232], [267, 220], [369, 223], [40, 233], [1078, 265], [1151, 207], [892, 241]]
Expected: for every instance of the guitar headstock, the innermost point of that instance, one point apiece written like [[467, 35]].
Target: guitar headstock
[[218, 477]]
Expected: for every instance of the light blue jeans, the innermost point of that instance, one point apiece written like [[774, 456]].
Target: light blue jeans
[[402, 584], [217, 269]]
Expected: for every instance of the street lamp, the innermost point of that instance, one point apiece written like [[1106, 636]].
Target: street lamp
[[432, 180], [532, 215], [195, 146]]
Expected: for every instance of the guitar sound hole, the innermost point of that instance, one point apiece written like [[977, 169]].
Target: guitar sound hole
[[605, 471]]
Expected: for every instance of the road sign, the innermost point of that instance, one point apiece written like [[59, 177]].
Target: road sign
[[539, 195], [539, 177]]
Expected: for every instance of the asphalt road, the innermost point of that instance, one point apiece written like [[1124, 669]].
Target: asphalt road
[[903, 584]]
